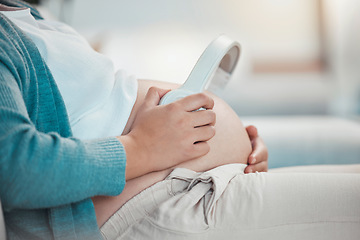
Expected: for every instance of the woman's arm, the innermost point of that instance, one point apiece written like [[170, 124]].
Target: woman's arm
[[39, 170]]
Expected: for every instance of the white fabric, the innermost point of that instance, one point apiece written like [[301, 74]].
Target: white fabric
[[225, 203], [98, 100]]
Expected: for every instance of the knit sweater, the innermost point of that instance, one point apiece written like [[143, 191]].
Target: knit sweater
[[46, 176]]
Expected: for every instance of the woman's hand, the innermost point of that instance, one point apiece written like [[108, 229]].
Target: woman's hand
[[167, 135], [258, 159]]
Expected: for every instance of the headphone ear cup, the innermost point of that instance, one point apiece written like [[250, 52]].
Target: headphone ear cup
[[221, 55], [212, 71]]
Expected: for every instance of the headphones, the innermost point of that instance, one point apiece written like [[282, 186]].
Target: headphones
[[211, 72]]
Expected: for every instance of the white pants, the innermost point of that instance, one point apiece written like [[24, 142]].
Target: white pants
[[225, 203]]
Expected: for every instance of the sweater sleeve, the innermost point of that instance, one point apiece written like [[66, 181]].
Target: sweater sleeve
[[41, 170]]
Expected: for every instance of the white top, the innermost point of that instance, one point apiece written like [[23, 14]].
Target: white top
[[98, 99]]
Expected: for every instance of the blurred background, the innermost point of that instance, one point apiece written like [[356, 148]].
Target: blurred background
[[298, 78]]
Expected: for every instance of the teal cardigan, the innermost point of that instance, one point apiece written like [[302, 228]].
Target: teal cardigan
[[46, 176]]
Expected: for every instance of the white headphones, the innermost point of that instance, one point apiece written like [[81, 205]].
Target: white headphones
[[211, 72]]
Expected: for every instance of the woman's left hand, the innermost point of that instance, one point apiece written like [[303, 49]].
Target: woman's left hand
[[258, 159]]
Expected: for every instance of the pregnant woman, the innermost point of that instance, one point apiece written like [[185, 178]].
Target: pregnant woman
[[169, 172], [47, 176]]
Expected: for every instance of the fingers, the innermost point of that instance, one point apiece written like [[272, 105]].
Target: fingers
[[202, 134], [201, 148], [259, 167], [259, 153], [196, 101], [252, 132], [154, 95], [258, 159], [199, 145], [203, 118]]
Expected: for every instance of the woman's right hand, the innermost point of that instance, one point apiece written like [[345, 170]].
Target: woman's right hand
[[167, 135]]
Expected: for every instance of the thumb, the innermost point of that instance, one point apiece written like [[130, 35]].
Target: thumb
[[252, 132], [154, 95]]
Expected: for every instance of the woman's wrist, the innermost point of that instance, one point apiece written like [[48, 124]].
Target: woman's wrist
[[136, 164]]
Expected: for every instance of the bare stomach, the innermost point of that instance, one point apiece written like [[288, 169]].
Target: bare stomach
[[230, 144]]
